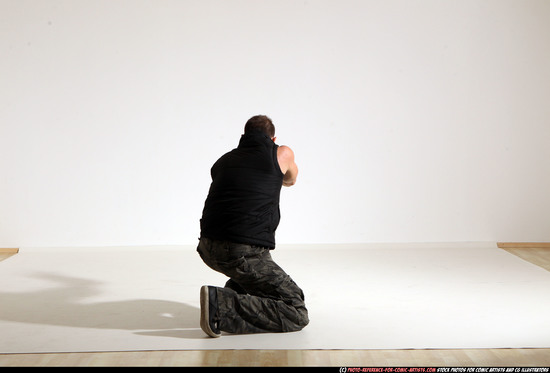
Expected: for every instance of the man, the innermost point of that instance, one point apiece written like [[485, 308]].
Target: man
[[240, 216]]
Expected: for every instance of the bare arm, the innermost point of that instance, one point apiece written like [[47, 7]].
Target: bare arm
[[285, 157]]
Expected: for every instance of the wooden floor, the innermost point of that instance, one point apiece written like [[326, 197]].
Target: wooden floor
[[297, 358]]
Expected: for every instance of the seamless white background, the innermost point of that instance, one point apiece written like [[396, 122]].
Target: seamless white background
[[411, 121]]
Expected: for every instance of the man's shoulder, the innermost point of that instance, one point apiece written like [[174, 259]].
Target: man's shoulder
[[285, 152]]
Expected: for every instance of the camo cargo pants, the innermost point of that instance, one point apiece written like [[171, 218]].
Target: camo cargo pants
[[259, 296]]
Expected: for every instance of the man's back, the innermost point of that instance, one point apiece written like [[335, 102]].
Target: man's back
[[243, 200]]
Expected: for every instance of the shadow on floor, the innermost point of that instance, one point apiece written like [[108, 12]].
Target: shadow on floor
[[66, 305]]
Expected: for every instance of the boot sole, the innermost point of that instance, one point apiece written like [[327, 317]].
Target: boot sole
[[205, 316]]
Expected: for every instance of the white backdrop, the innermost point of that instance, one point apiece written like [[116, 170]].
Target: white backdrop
[[411, 121]]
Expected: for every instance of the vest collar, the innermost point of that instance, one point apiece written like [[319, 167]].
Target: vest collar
[[254, 139]]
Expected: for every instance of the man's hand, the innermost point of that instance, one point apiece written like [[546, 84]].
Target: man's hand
[[285, 157]]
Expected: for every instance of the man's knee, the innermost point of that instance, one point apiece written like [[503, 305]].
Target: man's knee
[[304, 318]]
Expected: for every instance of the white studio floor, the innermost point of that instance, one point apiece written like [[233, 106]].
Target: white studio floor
[[436, 296]]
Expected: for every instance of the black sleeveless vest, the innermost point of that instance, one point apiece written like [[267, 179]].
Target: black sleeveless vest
[[243, 201]]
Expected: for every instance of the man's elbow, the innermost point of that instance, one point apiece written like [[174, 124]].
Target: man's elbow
[[289, 183]]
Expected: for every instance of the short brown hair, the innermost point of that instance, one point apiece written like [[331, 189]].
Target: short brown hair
[[260, 123]]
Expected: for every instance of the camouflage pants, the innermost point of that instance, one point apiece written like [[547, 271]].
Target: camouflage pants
[[259, 296]]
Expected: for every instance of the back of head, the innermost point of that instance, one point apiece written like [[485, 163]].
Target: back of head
[[260, 123]]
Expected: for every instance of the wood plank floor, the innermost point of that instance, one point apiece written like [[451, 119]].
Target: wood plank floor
[[297, 358]]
